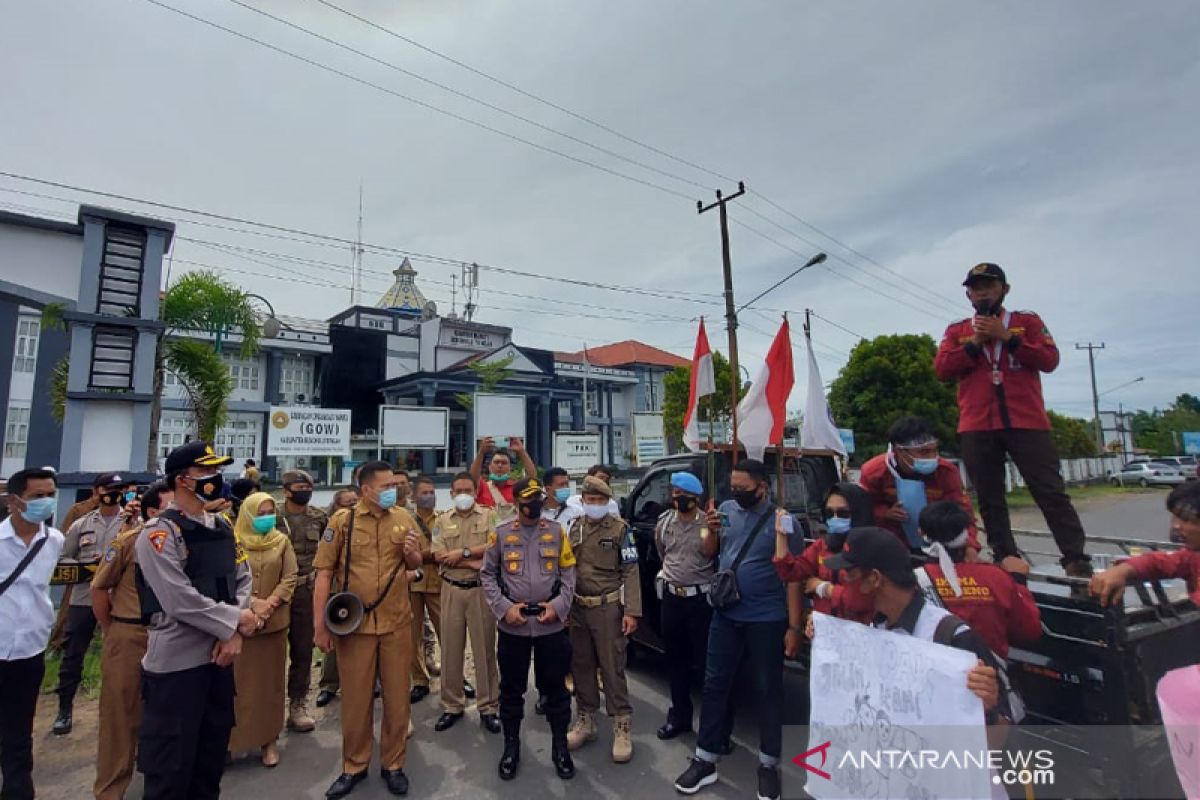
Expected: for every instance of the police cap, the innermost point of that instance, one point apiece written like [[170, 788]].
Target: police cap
[[528, 489], [195, 454], [295, 476], [594, 485]]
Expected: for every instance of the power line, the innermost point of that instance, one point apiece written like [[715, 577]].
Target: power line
[[338, 241], [524, 93], [837, 325], [466, 96], [430, 106]]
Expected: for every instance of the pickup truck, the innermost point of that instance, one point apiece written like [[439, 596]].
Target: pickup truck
[[807, 476]]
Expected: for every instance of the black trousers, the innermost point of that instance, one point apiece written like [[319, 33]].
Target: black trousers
[[1036, 458], [79, 630], [551, 655], [20, 682], [185, 732], [685, 622]]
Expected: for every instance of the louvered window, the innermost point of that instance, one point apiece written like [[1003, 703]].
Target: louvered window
[[121, 271], [112, 358]]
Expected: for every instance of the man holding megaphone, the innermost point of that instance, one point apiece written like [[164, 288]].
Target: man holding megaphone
[[364, 554]]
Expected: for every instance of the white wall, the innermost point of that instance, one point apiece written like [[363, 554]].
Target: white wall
[[107, 437], [46, 261]]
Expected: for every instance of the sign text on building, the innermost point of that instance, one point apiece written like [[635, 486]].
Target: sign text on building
[[304, 431]]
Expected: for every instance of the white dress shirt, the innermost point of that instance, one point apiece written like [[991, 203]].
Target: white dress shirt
[[26, 613]]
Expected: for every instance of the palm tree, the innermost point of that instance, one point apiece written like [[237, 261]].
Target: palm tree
[[201, 302]]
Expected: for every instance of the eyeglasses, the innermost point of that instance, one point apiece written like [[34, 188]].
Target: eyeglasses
[[840, 513]]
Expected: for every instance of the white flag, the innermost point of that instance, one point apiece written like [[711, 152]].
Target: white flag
[[702, 383], [818, 431]]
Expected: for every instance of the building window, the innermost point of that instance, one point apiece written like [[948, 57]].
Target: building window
[[16, 434], [239, 439], [296, 378], [27, 344], [244, 373], [174, 431], [593, 403], [652, 394]]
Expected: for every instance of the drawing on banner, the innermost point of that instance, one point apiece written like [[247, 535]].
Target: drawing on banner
[[896, 697]]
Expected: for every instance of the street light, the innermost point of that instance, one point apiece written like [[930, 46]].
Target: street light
[[1122, 386], [272, 326], [812, 262]]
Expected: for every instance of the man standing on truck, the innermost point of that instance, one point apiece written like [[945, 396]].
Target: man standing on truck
[[1184, 504], [996, 356]]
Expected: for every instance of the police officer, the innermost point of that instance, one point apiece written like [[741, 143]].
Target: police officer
[[87, 539], [683, 586], [607, 605], [528, 576], [118, 612], [460, 539], [303, 525], [367, 549], [194, 588]]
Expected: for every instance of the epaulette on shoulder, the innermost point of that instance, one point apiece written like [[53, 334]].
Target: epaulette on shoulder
[[664, 515]]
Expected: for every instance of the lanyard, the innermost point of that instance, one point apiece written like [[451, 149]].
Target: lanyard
[[992, 353]]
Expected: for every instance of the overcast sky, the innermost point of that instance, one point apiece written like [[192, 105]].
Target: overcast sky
[[1058, 139]]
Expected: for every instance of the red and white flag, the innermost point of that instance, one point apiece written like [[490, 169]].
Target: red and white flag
[[763, 410], [703, 383]]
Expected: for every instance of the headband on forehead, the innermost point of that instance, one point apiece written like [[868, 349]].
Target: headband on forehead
[[919, 442]]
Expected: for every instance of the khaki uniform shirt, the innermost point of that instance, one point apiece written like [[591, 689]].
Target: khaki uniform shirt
[[678, 542], [87, 540], [454, 531], [75, 512], [376, 550], [183, 635], [529, 561], [304, 531], [274, 575], [431, 581], [607, 560], [117, 573]]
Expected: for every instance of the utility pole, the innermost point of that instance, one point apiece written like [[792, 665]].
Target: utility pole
[[730, 308], [1092, 348]]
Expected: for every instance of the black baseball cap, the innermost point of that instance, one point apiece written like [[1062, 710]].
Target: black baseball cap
[[528, 489], [108, 480], [985, 271], [870, 548], [195, 454]]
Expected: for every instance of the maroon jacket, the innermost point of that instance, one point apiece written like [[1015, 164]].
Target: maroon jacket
[[944, 484], [1030, 351], [845, 601], [1179, 564], [994, 603]]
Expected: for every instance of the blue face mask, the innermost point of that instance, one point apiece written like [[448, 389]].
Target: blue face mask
[[130, 496], [838, 525], [387, 498], [39, 509], [264, 523], [925, 466], [563, 494]]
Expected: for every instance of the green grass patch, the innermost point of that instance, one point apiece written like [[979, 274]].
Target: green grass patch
[[1021, 498], [89, 683]]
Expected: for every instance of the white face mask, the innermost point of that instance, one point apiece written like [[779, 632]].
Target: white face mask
[[464, 502], [594, 511]]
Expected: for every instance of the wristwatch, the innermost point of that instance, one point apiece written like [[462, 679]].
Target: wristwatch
[[467, 553]]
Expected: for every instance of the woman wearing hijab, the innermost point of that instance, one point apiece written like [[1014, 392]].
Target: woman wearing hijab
[[846, 506], [260, 670]]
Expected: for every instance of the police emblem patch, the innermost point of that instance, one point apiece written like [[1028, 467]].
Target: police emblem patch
[[327, 536], [110, 554], [157, 539]]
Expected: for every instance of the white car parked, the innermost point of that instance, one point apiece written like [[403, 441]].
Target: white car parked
[[1146, 473]]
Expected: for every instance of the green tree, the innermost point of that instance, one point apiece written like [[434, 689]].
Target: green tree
[[491, 374], [1187, 402], [716, 406], [1161, 432], [1074, 437], [201, 303], [886, 378]]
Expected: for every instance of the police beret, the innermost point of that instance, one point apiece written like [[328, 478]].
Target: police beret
[[594, 485], [687, 482]]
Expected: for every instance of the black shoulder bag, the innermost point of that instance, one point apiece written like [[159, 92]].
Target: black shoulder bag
[[29, 557], [723, 594]]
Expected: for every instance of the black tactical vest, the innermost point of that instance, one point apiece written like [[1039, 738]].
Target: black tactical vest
[[211, 564]]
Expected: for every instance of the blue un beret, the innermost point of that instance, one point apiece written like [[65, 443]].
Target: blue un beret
[[687, 482]]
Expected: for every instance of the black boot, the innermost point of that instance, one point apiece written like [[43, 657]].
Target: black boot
[[512, 751], [560, 756]]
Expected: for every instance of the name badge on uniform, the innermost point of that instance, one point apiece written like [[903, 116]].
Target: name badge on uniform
[[629, 551], [997, 377]]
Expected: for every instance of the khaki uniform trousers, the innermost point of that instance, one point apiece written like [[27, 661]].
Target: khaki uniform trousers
[[597, 641], [465, 611], [360, 657], [120, 708], [422, 602]]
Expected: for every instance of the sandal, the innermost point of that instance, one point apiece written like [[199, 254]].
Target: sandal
[[270, 756]]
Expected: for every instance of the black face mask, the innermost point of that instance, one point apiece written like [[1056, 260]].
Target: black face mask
[[985, 309], [746, 498], [532, 509], [301, 497], [835, 541], [684, 503], [209, 489], [111, 498]]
